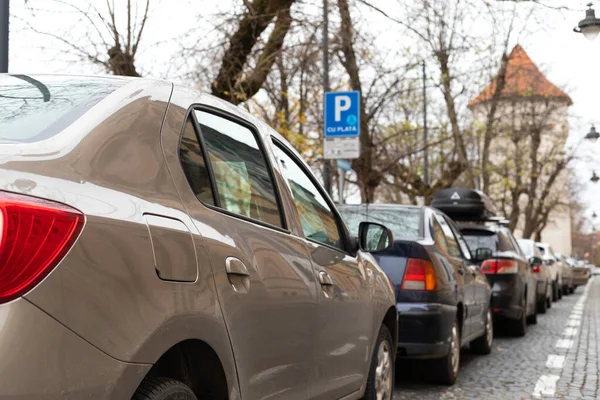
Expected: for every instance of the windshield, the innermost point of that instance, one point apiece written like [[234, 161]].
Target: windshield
[[403, 222], [36, 108]]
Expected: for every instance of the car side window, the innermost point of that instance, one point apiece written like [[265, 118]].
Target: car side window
[[515, 244], [504, 243], [242, 178], [453, 249], [317, 219], [438, 236], [194, 165], [461, 240]]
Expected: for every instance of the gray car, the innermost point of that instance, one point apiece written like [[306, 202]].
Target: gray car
[[158, 243]]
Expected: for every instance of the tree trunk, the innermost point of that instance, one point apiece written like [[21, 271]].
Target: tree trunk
[[368, 179], [233, 83]]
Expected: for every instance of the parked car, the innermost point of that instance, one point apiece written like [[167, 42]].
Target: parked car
[[161, 243], [567, 275], [541, 274], [443, 302], [556, 268], [581, 274], [500, 257]]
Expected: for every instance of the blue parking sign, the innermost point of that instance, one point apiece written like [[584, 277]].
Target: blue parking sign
[[342, 114]]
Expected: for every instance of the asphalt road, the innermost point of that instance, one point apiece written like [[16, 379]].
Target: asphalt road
[[557, 359]]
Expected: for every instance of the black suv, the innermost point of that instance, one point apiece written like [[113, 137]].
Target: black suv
[[499, 256]]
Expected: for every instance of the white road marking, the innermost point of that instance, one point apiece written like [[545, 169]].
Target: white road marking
[[573, 322], [555, 361], [564, 344], [546, 385], [568, 332], [575, 317]]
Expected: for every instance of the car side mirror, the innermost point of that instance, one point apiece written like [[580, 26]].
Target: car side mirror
[[535, 261], [483, 253], [374, 237]]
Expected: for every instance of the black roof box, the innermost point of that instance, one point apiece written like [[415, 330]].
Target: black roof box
[[464, 204]]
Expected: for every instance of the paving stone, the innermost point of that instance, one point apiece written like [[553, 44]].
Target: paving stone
[[513, 368]]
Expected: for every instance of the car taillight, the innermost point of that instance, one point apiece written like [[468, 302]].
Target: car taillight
[[419, 275], [35, 235], [499, 267], [536, 269]]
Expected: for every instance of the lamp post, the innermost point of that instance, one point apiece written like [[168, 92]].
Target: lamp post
[[592, 135], [4, 18], [595, 178], [590, 25]]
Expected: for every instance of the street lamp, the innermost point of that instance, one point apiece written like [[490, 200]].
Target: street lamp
[[595, 178], [590, 25], [594, 216], [592, 135]]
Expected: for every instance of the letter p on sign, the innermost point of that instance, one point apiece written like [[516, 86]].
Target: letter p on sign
[[342, 103]]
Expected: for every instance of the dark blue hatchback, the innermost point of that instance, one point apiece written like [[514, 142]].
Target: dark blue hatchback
[[443, 300]]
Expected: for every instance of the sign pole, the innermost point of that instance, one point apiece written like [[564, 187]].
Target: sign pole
[[425, 141], [4, 18], [326, 162]]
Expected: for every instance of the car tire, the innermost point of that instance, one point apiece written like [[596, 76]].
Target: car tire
[[483, 344], [520, 325], [446, 369], [542, 306], [572, 289], [532, 319], [560, 292], [549, 302], [380, 383], [555, 291], [157, 388]]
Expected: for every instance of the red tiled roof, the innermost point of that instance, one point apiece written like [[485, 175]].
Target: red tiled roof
[[523, 79]]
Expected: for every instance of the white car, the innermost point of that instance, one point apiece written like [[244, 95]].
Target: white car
[[555, 266]]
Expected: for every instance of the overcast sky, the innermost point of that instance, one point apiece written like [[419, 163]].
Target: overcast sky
[[568, 59]]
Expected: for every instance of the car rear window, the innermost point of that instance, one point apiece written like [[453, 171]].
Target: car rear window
[[403, 222], [36, 108], [496, 241]]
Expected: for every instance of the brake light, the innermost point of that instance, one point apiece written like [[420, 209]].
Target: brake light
[[35, 235], [499, 267], [419, 275], [536, 269]]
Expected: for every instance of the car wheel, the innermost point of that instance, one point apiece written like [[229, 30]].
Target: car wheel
[[572, 290], [446, 369], [520, 325], [549, 302], [380, 383], [542, 306], [560, 292], [483, 344], [157, 388], [554, 291], [532, 319]]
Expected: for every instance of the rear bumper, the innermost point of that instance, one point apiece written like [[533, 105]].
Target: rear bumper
[[424, 329], [43, 360], [506, 297], [580, 280]]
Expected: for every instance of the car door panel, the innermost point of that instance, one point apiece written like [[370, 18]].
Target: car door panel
[[344, 317], [464, 277], [264, 278]]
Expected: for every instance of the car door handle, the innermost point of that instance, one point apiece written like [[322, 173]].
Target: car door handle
[[234, 266], [237, 274], [325, 279]]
